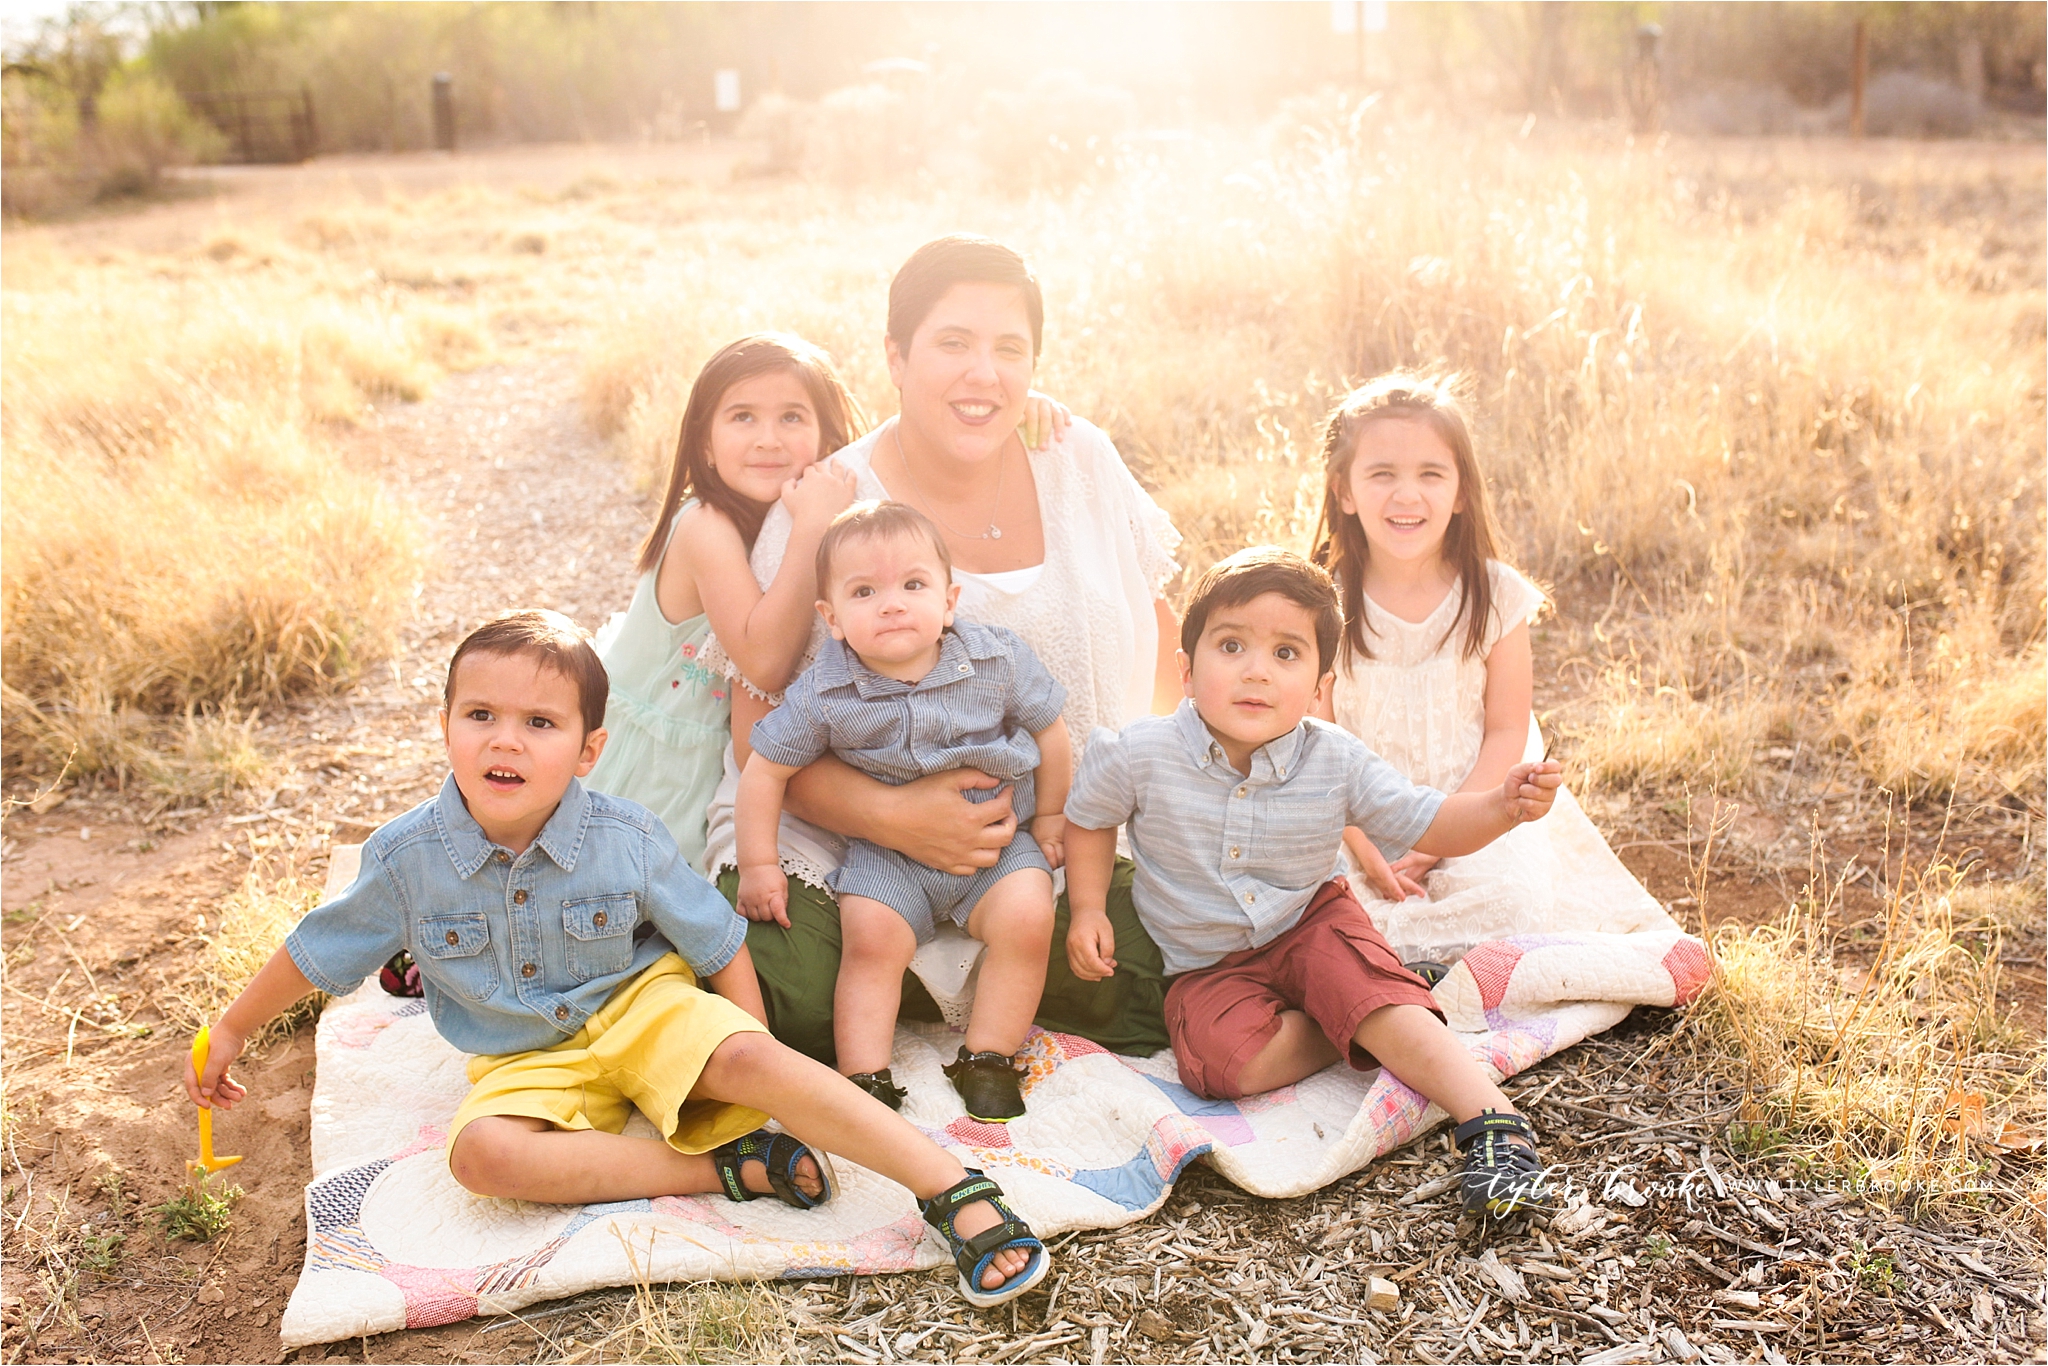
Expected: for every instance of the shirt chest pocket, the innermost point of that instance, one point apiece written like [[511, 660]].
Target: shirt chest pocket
[[457, 953], [599, 930], [869, 726]]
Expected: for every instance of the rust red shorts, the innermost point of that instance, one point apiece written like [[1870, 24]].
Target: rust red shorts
[[1335, 966]]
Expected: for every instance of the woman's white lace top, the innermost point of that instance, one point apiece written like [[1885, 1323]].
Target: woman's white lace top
[[1088, 614], [1420, 701]]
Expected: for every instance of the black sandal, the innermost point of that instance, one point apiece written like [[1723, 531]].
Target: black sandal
[[778, 1154], [973, 1255], [1501, 1176], [987, 1083], [1430, 972], [881, 1086]]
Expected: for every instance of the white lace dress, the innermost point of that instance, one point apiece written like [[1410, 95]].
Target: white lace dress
[[1420, 701], [1087, 611]]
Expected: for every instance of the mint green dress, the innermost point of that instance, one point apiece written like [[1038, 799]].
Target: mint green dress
[[669, 717]]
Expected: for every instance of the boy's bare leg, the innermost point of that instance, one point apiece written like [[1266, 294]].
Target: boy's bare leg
[[1014, 918], [1300, 1049], [826, 1111], [878, 945], [521, 1158], [1417, 1048]]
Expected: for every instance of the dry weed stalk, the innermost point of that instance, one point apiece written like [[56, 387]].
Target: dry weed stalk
[[246, 929]]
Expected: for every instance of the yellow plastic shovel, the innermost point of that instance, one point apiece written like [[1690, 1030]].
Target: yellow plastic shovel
[[207, 1164]]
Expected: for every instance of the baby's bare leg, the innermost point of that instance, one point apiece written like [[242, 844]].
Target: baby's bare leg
[[877, 946], [1014, 918], [1417, 1048], [826, 1111], [1299, 1049]]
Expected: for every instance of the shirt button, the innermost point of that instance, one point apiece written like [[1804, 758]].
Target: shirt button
[[1242, 790], [504, 857], [527, 969], [963, 668], [519, 897], [1233, 851], [453, 938], [599, 919], [1250, 897], [561, 1012]]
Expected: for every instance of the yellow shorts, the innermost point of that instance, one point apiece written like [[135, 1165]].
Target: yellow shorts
[[644, 1049]]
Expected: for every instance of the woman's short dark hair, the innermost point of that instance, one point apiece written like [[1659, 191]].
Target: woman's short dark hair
[[1266, 569], [959, 259], [551, 640]]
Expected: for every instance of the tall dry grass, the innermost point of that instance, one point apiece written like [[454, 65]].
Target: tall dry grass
[[1775, 427], [179, 543], [1879, 1056]]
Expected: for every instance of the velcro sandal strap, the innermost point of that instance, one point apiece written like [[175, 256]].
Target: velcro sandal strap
[[781, 1157], [994, 1239], [940, 1209], [1491, 1122]]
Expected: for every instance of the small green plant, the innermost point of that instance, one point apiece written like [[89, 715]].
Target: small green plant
[[21, 915], [1875, 1271], [1657, 1246], [198, 1214], [101, 1251], [1756, 1138]]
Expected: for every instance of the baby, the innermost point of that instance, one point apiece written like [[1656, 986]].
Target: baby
[[1236, 806], [563, 940], [902, 690]]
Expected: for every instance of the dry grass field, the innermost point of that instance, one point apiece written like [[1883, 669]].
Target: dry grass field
[[1767, 418]]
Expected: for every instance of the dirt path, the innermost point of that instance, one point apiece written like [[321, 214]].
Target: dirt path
[[105, 913]]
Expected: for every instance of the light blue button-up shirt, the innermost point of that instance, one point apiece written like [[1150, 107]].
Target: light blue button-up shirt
[[978, 707], [1226, 860], [517, 951]]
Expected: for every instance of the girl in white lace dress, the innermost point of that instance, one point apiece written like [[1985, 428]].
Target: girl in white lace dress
[[1434, 672]]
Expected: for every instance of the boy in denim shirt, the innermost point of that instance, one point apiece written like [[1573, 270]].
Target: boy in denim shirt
[[561, 938], [1236, 806], [902, 691]]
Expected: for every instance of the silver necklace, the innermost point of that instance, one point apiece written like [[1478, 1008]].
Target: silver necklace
[[994, 532]]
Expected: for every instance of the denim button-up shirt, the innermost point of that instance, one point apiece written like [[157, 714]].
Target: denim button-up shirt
[[978, 707], [516, 951], [1228, 861]]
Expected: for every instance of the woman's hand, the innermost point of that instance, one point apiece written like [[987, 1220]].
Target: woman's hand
[[1045, 421], [933, 823], [818, 494]]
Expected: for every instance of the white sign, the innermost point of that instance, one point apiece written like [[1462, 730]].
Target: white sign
[[725, 88], [1345, 15]]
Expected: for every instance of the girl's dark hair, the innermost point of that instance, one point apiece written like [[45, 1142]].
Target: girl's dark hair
[[960, 259], [1470, 541], [840, 420]]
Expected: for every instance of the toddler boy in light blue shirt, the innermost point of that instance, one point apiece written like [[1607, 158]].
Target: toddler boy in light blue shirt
[[1236, 806], [562, 939]]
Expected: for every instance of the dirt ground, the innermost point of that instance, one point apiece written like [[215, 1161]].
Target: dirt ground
[[107, 899]]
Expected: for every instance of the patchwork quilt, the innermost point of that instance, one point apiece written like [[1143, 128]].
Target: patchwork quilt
[[393, 1242]]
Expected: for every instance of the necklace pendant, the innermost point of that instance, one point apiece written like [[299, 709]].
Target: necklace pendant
[[995, 533]]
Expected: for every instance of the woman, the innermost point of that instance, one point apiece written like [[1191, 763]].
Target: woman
[[1063, 547]]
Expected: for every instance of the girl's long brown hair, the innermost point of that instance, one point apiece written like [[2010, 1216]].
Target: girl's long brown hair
[[840, 420], [1469, 542]]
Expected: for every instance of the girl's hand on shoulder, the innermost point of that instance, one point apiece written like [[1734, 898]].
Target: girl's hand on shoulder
[[1531, 789], [818, 494], [1045, 422]]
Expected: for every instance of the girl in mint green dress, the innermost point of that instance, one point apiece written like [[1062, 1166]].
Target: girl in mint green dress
[[761, 413]]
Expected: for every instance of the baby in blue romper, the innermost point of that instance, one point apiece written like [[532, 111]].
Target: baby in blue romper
[[902, 691]]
